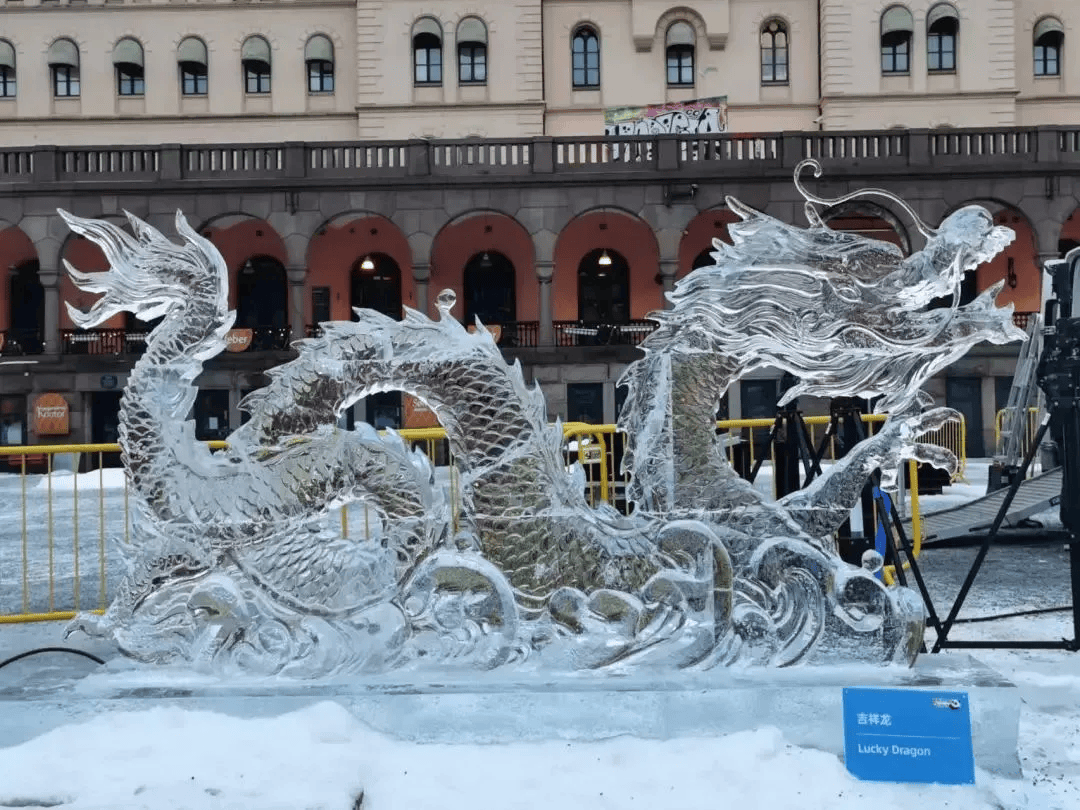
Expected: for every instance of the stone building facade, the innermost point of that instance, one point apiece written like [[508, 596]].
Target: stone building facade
[[374, 153]]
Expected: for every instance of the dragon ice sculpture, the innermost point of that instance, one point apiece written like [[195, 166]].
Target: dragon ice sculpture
[[232, 566]]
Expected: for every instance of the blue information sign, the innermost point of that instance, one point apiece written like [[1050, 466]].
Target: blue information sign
[[908, 735]]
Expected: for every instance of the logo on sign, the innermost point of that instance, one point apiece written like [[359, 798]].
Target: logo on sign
[[908, 735], [51, 415], [237, 340], [494, 328]]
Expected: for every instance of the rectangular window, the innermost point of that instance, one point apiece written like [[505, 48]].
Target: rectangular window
[[320, 76], [193, 80], [256, 78], [941, 50], [894, 57], [680, 66], [129, 82], [429, 65], [211, 415], [472, 64], [65, 81], [1046, 60], [7, 82]]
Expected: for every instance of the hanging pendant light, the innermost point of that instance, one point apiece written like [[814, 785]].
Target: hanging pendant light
[[367, 265], [604, 260]]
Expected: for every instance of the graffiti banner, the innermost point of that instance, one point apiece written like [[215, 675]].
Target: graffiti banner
[[701, 116]]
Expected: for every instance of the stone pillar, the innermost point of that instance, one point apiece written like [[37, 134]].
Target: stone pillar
[[50, 280], [546, 334], [668, 269], [297, 276], [421, 273]]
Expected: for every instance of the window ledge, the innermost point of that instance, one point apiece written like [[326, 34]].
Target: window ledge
[[951, 72], [891, 73], [775, 84]]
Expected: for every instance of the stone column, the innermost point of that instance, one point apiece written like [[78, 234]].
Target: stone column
[[544, 273], [668, 269], [421, 273], [297, 276], [50, 281]]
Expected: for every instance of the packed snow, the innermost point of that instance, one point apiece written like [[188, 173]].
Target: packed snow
[[322, 757]]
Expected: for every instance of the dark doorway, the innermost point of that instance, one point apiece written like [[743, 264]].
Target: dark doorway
[[27, 301], [105, 425], [262, 302], [376, 284], [212, 415], [585, 403], [604, 288], [965, 395], [384, 410], [489, 289], [704, 259]]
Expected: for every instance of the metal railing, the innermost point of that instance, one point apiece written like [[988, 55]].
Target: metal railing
[[55, 554], [586, 333]]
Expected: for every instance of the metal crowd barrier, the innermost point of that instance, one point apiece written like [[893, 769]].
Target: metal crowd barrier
[[54, 550], [1031, 427]]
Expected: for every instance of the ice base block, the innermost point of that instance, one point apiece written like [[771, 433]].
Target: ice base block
[[468, 707]]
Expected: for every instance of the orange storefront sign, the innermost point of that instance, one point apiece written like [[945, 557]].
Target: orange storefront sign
[[52, 417], [237, 340], [418, 415]]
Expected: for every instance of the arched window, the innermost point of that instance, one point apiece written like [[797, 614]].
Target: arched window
[[191, 58], [127, 57], [896, 27], [376, 284], [427, 52], [319, 58], [64, 63], [942, 24], [1049, 36], [7, 69], [681, 38], [586, 58], [472, 51], [255, 57], [774, 52], [489, 289]]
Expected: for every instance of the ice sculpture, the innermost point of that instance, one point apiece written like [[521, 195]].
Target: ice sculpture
[[233, 566]]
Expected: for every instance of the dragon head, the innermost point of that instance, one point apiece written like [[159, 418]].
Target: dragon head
[[148, 274]]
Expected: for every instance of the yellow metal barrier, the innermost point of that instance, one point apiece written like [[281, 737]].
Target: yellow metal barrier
[[598, 448], [1031, 427]]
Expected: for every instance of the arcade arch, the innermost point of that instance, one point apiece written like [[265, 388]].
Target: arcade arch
[[358, 259], [487, 258], [695, 248], [258, 285], [583, 242]]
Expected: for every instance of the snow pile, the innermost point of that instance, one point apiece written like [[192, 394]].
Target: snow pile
[[323, 758], [66, 481]]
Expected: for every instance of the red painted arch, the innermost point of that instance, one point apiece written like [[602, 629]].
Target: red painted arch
[[336, 247], [614, 230], [483, 232]]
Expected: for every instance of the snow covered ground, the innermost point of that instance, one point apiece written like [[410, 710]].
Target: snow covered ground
[[322, 758]]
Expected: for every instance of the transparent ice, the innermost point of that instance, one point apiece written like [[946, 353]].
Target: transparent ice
[[236, 566]]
